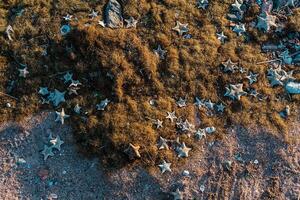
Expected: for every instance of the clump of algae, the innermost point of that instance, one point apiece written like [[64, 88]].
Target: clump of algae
[[136, 75]]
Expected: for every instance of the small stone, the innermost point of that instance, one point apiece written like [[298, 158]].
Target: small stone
[[202, 188], [185, 173], [255, 161]]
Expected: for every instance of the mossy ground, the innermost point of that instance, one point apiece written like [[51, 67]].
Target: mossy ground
[[191, 68]]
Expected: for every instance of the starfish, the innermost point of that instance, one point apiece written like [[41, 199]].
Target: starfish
[[68, 17], [77, 109], [239, 29], [102, 23], [221, 37], [209, 104], [202, 4], [93, 14], [237, 6], [220, 107], [56, 143], [133, 151], [163, 143], [200, 134], [252, 78], [229, 66], [181, 102], [68, 77], [9, 30], [47, 151], [266, 21], [199, 102], [61, 116], [43, 91], [181, 28], [242, 70], [183, 151], [171, 116], [102, 104], [131, 22], [253, 93], [160, 52], [177, 195], [158, 124], [57, 97], [165, 167], [235, 91], [23, 72]]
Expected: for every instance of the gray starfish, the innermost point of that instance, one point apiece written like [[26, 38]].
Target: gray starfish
[[56, 143], [199, 102], [200, 134], [43, 91], [252, 78], [165, 167], [131, 22], [163, 143], [93, 14], [177, 195], [160, 52], [235, 91], [68, 17], [220, 107], [221, 37], [102, 104], [183, 151], [239, 29], [210, 105], [266, 21], [47, 151], [181, 102], [229, 66], [57, 97], [171, 116], [242, 70], [23, 72], [61, 116], [158, 124], [253, 93], [181, 28], [202, 4]]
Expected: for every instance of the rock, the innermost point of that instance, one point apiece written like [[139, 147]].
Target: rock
[[292, 88], [113, 14]]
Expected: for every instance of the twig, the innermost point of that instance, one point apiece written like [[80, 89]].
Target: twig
[[9, 96], [268, 61]]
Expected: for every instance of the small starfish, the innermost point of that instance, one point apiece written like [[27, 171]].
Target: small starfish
[[181, 102], [221, 37], [56, 143], [43, 91], [23, 72], [47, 151], [177, 195], [209, 104], [199, 102], [131, 22], [57, 97], [235, 91], [61, 116], [200, 134], [266, 21], [160, 52], [102, 23], [183, 151], [93, 14], [252, 78], [68, 17], [220, 107], [158, 124], [133, 151], [253, 93], [229, 66], [77, 109], [171, 116], [202, 4], [68, 77], [181, 28], [102, 104], [239, 29], [165, 167], [237, 6], [163, 143]]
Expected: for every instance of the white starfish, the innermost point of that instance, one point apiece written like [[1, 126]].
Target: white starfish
[[200, 134], [131, 22], [158, 123], [165, 167], [171, 116], [229, 66], [183, 151], [181, 28], [68, 17], [181, 102], [237, 6], [221, 37], [102, 23], [235, 91], [56, 143], [23, 72], [61, 116]]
